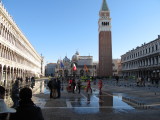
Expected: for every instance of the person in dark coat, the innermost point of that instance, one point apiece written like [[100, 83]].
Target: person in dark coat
[[79, 86], [15, 93], [117, 79], [27, 110], [50, 88], [59, 88], [73, 85]]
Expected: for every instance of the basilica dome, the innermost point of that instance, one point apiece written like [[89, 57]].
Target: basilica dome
[[65, 60], [75, 57], [77, 53]]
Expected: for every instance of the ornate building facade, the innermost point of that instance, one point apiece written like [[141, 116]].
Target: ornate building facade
[[84, 65], [142, 61], [105, 41], [18, 58]]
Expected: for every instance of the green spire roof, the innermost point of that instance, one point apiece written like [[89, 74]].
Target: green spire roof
[[104, 6]]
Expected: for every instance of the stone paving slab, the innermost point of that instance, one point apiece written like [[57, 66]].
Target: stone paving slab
[[60, 114]]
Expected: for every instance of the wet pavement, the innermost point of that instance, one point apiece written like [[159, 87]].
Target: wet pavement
[[85, 103], [114, 103]]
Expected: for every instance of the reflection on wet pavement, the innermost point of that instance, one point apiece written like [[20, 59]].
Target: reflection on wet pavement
[[95, 103], [87, 103]]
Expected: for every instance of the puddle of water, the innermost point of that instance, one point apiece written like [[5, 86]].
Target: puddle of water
[[40, 87], [118, 103], [95, 103]]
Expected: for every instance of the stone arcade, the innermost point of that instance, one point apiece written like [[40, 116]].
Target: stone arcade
[[18, 58]]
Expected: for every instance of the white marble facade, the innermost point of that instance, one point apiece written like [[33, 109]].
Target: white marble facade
[[18, 58]]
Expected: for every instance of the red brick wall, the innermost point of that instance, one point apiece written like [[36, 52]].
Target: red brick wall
[[105, 53]]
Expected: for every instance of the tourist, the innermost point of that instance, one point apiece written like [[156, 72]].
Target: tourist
[[59, 88], [79, 86], [117, 79], [54, 88], [73, 85], [4, 110], [27, 110], [137, 80], [15, 93], [50, 87], [143, 81], [89, 86]]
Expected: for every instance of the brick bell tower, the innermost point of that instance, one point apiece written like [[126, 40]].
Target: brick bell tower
[[105, 41]]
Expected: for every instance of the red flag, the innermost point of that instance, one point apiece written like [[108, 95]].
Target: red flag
[[74, 67]]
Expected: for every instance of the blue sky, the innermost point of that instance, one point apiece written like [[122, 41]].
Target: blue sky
[[60, 27]]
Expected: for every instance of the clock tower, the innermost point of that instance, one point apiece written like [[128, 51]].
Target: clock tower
[[105, 41]]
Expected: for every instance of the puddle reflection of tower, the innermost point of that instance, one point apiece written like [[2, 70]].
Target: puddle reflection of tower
[[106, 103]]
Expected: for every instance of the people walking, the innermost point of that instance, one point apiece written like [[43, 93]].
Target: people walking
[[79, 86], [70, 84], [100, 86], [142, 81], [15, 93], [27, 110], [117, 79], [73, 85], [138, 80], [89, 86]]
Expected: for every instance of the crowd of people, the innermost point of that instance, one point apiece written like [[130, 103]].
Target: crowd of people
[[153, 80], [23, 107], [55, 88], [77, 85], [74, 85], [140, 81], [25, 110]]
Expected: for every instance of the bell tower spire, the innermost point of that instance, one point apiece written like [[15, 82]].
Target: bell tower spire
[[104, 6]]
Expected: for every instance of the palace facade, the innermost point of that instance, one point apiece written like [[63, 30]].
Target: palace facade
[[18, 58], [143, 60]]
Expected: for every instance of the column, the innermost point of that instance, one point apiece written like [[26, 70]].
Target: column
[[151, 61], [5, 77], [1, 76]]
